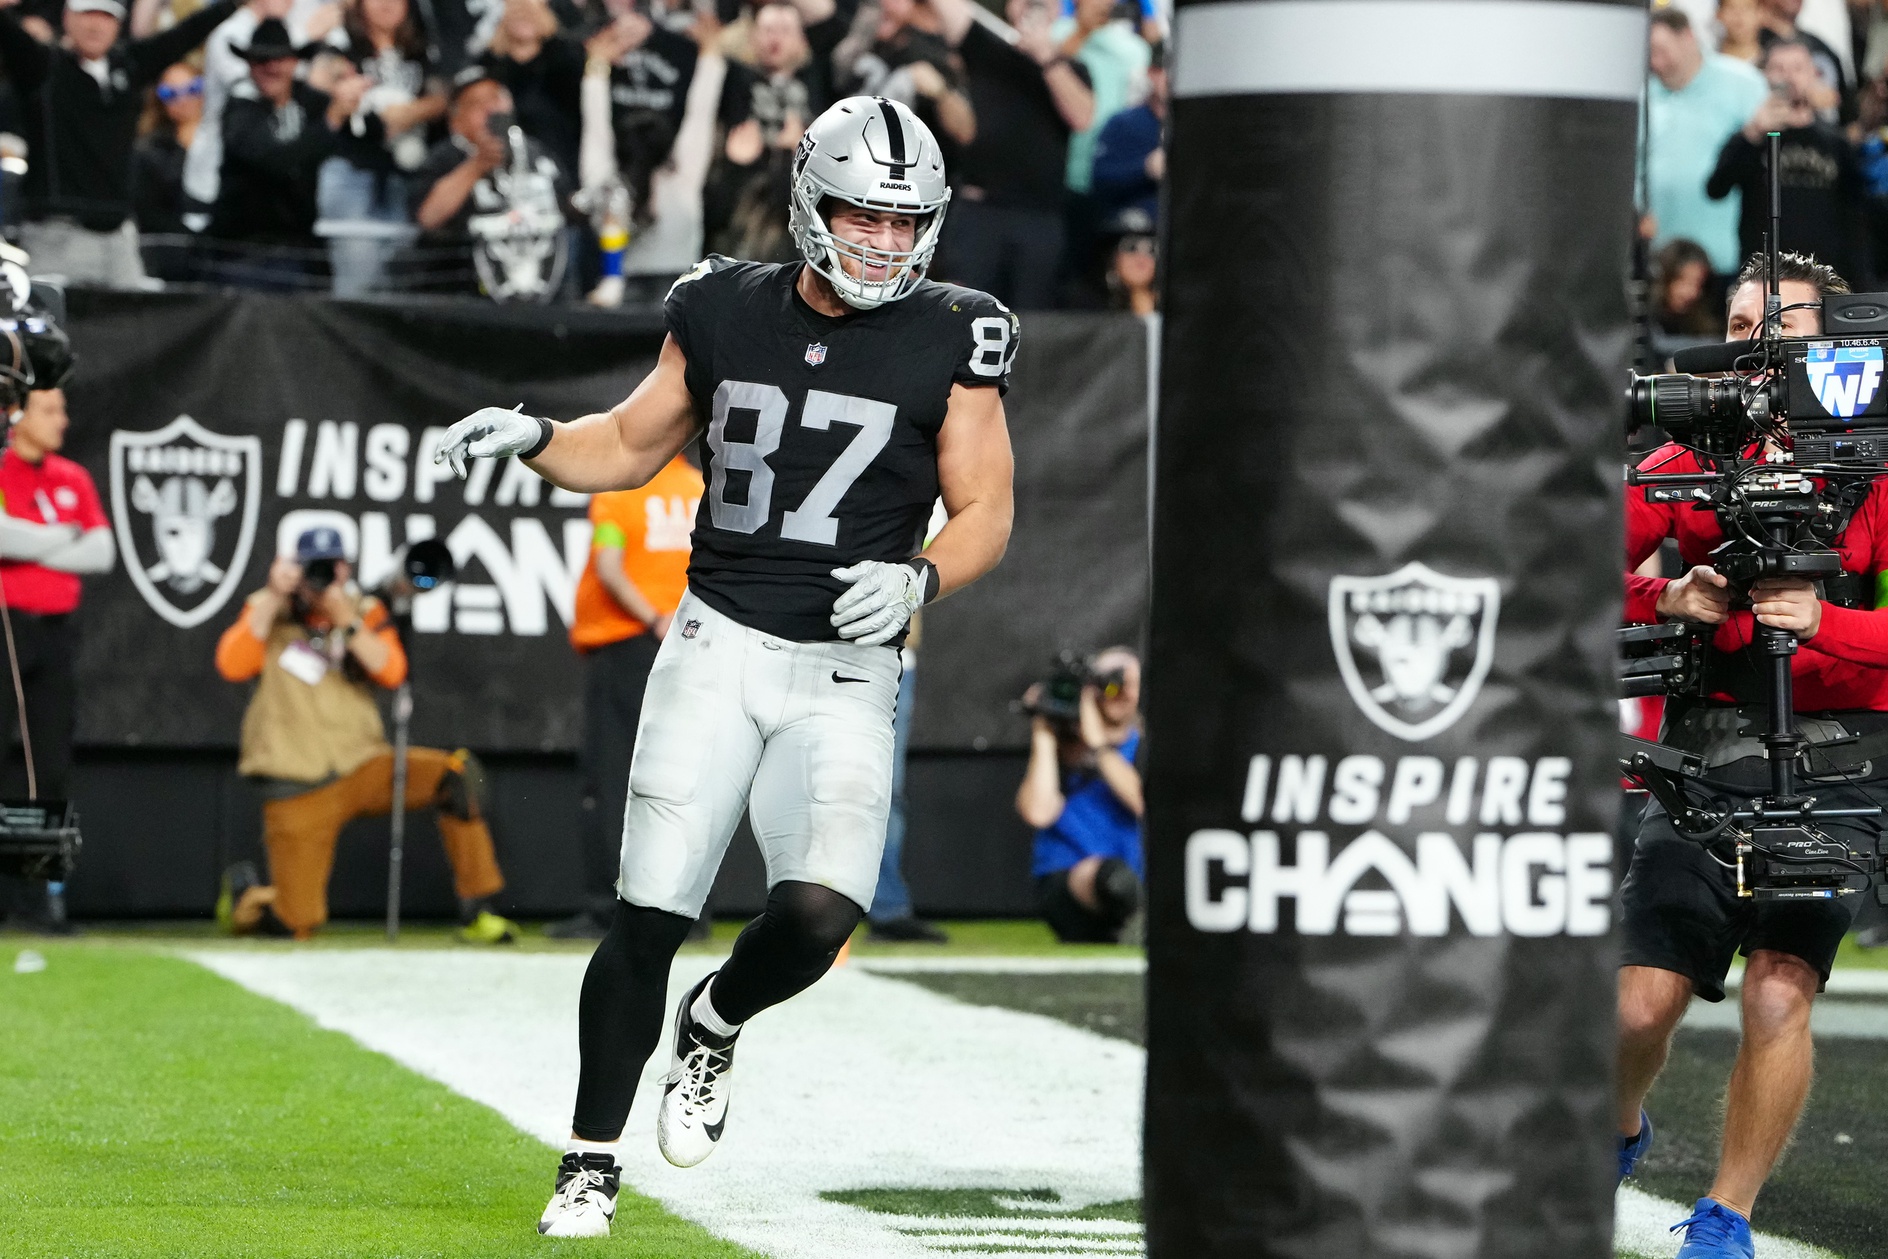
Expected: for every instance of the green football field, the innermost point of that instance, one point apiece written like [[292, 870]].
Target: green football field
[[151, 1108]]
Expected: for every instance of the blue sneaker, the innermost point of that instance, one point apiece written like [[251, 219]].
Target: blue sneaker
[[1714, 1231], [1630, 1152]]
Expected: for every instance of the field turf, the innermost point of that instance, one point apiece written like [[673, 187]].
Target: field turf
[[150, 1108], [1829, 1188]]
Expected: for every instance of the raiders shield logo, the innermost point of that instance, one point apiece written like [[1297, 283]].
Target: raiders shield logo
[[1414, 646], [183, 504]]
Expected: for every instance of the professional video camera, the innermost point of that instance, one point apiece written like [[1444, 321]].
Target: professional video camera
[[34, 350], [1059, 696], [1788, 444]]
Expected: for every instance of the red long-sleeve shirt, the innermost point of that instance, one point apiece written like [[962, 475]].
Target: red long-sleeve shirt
[[1845, 665]]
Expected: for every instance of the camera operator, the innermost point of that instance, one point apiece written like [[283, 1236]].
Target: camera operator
[[53, 531], [1082, 793], [1683, 921], [313, 741]]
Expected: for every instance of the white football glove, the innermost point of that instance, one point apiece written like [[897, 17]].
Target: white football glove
[[488, 433], [881, 601]]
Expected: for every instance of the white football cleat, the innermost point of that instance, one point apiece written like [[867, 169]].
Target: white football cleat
[[695, 1091], [585, 1200]]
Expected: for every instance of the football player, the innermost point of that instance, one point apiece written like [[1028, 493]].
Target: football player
[[836, 399]]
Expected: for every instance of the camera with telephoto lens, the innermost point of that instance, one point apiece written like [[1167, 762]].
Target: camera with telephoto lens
[[318, 575], [1059, 696], [1821, 395]]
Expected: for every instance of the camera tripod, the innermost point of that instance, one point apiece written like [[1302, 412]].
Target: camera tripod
[[424, 567]]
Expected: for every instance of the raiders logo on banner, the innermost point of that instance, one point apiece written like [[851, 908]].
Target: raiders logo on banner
[[1426, 642], [183, 503]]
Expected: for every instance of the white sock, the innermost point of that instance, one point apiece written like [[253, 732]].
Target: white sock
[[576, 1146], [703, 1012]]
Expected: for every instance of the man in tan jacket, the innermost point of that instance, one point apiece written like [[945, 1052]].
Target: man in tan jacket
[[313, 741]]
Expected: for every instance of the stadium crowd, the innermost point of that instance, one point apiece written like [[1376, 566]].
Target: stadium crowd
[[539, 149], [1725, 73]]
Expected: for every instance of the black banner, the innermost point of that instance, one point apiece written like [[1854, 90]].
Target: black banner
[[217, 427], [1075, 576], [1386, 569]]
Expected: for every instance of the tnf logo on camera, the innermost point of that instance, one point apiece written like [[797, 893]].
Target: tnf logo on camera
[[1845, 378], [1414, 646], [183, 504]]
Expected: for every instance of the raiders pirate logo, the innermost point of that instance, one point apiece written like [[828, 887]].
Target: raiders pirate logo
[[1414, 646], [184, 502]]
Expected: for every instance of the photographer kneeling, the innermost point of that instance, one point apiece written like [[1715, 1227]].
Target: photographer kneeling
[[313, 741], [1683, 920], [1082, 793]]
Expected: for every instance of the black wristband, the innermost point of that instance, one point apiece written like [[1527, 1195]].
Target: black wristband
[[545, 432], [927, 578]]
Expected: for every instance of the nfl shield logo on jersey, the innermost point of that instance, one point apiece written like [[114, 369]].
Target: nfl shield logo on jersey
[[1414, 646], [815, 354]]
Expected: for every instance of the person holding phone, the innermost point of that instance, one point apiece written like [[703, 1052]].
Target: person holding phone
[[1822, 184]]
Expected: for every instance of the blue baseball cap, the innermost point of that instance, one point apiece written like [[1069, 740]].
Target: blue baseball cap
[[323, 542]]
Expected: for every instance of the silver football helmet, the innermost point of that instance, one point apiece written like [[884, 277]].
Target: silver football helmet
[[871, 152]]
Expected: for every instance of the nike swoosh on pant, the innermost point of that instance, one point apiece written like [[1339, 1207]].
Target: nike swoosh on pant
[[840, 677]]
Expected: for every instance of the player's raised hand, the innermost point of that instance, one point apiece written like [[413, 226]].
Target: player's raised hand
[[881, 601], [492, 433]]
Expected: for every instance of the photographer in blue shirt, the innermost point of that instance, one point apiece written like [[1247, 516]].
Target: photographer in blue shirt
[[1082, 793]]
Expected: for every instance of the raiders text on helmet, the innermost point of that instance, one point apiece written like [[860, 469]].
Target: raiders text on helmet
[[873, 153]]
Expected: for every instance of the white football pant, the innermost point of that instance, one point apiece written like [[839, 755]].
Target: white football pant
[[800, 734]]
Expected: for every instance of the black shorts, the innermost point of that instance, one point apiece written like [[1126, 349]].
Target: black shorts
[[1681, 911], [1072, 921]]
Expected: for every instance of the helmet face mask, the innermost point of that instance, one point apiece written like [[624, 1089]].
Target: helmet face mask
[[875, 154]]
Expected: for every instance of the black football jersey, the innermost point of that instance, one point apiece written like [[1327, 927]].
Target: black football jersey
[[820, 441]]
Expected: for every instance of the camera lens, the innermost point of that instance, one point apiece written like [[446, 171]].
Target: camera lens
[[319, 574]]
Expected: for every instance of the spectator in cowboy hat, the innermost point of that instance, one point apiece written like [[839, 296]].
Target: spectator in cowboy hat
[[82, 101], [273, 148]]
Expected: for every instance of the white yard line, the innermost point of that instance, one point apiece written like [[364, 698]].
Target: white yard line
[[862, 1082], [859, 1083], [952, 1223]]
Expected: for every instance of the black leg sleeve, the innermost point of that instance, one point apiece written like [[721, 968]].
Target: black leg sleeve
[[785, 950], [619, 1017]]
